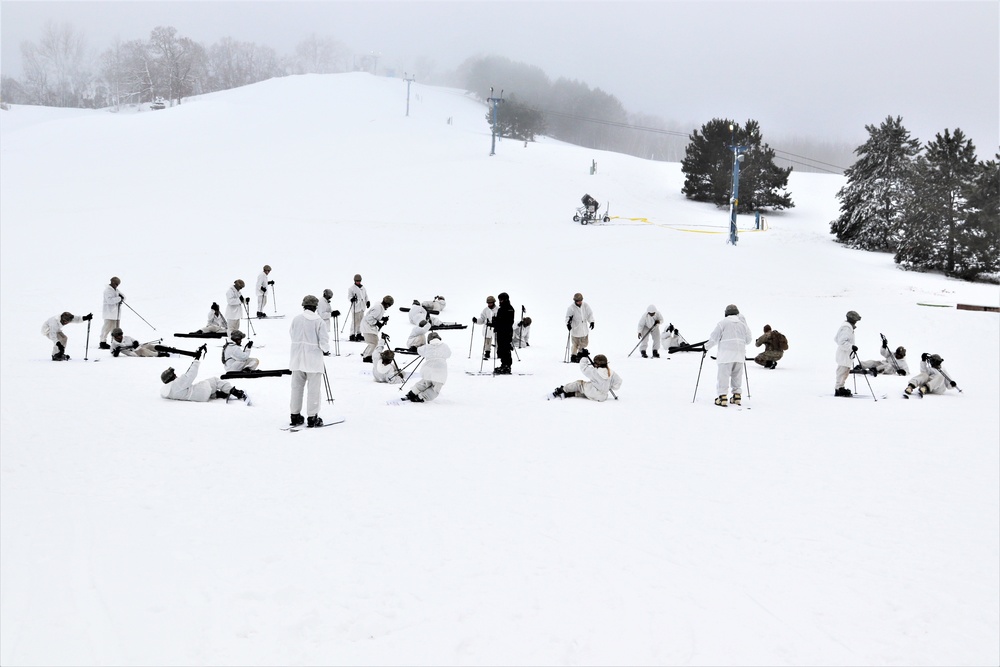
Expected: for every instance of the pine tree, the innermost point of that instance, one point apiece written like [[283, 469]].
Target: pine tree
[[934, 219], [517, 120], [977, 248], [877, 185], [708, 167]]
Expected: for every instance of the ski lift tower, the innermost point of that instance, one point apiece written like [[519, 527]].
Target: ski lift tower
[[494, 102], [408, 80], [738, 152]]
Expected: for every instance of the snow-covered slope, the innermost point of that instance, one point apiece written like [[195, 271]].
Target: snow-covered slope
[[489, 526]]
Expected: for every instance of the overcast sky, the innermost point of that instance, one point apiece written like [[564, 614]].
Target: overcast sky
[[811, 68]]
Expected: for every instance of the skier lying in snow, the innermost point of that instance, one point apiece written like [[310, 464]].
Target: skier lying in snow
[[126, 346], [892, 362], [385, 369], [601, 380], [184, 388]]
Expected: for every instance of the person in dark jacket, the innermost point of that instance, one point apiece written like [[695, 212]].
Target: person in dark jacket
[[503, 326]]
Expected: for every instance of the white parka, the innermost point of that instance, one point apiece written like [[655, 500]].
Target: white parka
[[309, 340], [732, 335], [936, 380], [434, 367], [112, 299], [234, 357], [369, 323], [53, 326], [601, 380], [647, 321], [845, 342], [234, 307], [580, 317], [362, 295], [184, 388]]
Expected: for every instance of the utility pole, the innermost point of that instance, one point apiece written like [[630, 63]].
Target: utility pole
[[495, 102], [738, 152], [408, 81]]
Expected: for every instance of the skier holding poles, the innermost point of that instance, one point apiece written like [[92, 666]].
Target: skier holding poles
[[846, 348], [732, 335], [649, 327], [434, 358], [52, 329], [309, 344], [579, 322], [111, 311], [234, 305], [357, 295], [262, 285], [486, 319]]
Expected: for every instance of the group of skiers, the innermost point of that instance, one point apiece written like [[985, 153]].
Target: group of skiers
[[310, 342]]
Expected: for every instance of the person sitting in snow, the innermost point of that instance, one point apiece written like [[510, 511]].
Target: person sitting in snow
[[891, 363], [52, 329], [184, 387], [126, 346], [600, 380], [237, 358], [932, 378], [418, 335], [672, 337], [433, 369], [216, 322], [385, 369]]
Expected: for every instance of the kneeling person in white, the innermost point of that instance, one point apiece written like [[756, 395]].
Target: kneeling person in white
[[237, 358], [433, 369]]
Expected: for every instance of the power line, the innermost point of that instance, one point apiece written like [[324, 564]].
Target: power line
[[812, 163]]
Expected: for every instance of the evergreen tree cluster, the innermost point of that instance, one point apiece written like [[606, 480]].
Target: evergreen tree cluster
[[517, 120], [708, 168], [934, 206]]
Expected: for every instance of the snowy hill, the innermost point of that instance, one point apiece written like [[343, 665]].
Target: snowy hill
[[489, 526]]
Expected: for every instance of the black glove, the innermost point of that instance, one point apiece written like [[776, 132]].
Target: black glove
[[87, 317], [270, 282], [202, 351], [591, 326], [475, 321], [335, 313], [249, 344], [670, 327], [854, 348], [368, 304], [326, 354], [900, 372], [122, 300], [354, 299], [263, 289], [569, 326], [488, 324], [954, 384], [242, 300], [115, 352], [135, 344], [638, 335], [924, 356]]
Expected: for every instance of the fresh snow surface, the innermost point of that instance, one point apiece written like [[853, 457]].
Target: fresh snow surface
[[490, 526]]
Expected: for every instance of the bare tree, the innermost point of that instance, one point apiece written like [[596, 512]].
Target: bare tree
[[181, 63], [57, 71], [320, 55], [231, 63]]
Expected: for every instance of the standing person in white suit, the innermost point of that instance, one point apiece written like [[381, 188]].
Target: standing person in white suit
[[486, 319], [234, 305], [111, 311], [846, 348], [310, 342], [358, 297], [263, 282], [433, 369], [649, 329], [732, 335], [579, 323]]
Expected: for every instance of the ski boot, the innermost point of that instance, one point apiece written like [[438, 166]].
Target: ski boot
[[413, 398], [843, 391], [59, 356], [656, 354], [736, 399], [104, 346], [722, 401], [366, 360], [643, 353], [313, 421], [924, 390], [559, 393], [237, 393], [297, 420], [486, 355]]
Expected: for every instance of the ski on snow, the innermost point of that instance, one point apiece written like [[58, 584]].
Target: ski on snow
[[333, 421]]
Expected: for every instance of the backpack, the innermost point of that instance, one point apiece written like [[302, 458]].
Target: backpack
[[780, 341]]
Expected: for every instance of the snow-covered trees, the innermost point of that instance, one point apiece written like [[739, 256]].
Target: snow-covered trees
[[877, 186], [517, 120], [935, 207], [708, 167]]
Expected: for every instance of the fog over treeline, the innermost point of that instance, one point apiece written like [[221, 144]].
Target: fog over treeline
[[62, 69]]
